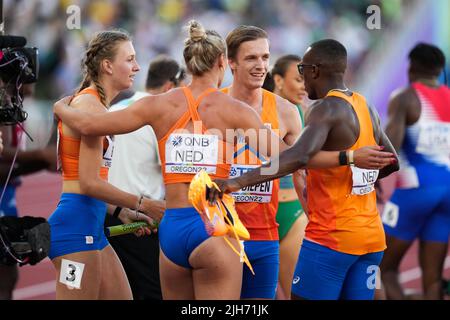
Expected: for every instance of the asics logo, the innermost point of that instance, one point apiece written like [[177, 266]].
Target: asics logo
[[296, 280]]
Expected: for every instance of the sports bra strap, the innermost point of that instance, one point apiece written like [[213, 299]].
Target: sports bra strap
[[193, 103]]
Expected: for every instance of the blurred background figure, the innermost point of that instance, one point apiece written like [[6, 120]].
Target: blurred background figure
[[26, 162], [419, 128], [291, 26], [136, 168]]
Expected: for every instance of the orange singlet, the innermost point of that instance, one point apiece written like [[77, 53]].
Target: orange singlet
[[257, 205], [184, 153], [69, 149], [342, 208]]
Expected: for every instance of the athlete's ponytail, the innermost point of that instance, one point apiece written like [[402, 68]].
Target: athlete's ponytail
[[202, 48]]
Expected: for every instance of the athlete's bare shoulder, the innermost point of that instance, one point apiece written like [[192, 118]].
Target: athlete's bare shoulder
[[285, 108], [175, 93], [173, 98], [333, 101], [290, 117], [88, 103], [232, 105], [405, 96], [404, 103], [325, 107], [233, 112]]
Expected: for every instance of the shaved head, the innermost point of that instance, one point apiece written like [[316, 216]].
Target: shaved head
[[329, 53], [324, 63], [426, 59]]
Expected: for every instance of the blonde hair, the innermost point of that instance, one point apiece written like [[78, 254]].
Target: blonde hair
[[102, 46], [202, 48]]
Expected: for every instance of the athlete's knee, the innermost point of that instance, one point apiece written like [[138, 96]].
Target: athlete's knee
[[389, 274], [389, 265], [432, 274]]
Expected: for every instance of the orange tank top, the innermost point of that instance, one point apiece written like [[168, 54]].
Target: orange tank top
[[69, 150], [342, 208], [257, 205], [185, 153]]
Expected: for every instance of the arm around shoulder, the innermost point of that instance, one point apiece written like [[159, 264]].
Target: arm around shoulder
[[104, 123]]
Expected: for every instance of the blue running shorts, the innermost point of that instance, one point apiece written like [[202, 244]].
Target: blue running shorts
[[422, 213], [325, 274], [265, 259], [180, 231], [77, 225]]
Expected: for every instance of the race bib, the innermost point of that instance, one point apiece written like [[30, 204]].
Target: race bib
[[108, 149], [261, 193], [363, 180], [390, 214], [434, 138], [71, 273], [190, 153]]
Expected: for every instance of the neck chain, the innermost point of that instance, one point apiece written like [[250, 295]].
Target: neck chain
[[340, 90]]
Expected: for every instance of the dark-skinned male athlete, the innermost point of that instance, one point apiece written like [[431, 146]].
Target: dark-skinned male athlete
[[344, 241], [419, 128]]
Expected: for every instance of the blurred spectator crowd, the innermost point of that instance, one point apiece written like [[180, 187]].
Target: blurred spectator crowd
[[156, 27]]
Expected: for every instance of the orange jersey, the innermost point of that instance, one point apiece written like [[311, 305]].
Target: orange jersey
[[257, 205], [183, 153], [69, 150], [342, 208]]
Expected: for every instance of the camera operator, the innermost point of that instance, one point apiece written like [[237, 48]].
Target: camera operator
[[18, 71], [27, 162]]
